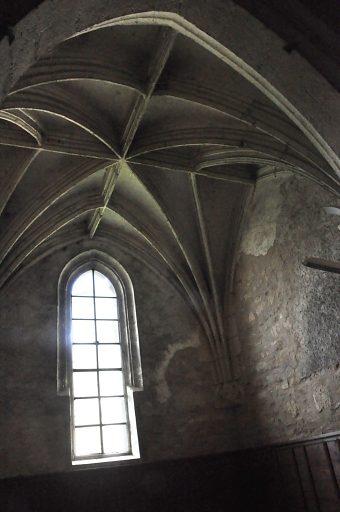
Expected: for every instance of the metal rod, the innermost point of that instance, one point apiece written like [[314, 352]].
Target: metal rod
[[98, 396], [99, 319], [97, 357], [92, 370], [96, 296], [91, 343], [101, 424]]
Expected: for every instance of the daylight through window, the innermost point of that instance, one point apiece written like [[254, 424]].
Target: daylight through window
[[102, 403]]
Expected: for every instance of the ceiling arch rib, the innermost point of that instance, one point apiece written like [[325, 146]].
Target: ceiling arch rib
[[230, 164], [222, 345], [156, 66], [253, 114], [74, 234], [109, 182], [66, 212], [132, 194], [195, 271], [181, 274], [195, 299], [193, 286], [227, 157], [156, 196], [57, 142], [14, 168], [64, 104], [127, 215], [126, 202], [26, 124], [62, 143], [194, 268], [66, 235], [64, 69], [244, 176], [188, 252], [66, 180], [128, 244], [13, 135], [158, 139]]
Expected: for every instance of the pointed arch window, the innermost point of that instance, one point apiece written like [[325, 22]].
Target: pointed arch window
[[98, 359]]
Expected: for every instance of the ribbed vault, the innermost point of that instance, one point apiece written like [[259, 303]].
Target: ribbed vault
[[138, 136]]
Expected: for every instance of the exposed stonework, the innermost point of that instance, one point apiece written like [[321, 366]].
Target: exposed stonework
[[288, 314]]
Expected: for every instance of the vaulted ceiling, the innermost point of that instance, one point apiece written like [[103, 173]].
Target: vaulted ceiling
[[141, 137], [309, 27]]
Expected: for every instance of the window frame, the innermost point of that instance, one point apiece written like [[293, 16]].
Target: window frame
[[132, 371]]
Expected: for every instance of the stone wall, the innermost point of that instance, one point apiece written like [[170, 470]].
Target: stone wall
[[287, 318], [175, 413], [288, 314]]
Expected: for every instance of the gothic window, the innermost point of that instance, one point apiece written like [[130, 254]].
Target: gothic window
[[98, 360]]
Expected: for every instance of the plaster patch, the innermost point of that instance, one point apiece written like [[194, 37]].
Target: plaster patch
[[321, 399], [292, 408], [259, 239], [162, 388], [259, 234]]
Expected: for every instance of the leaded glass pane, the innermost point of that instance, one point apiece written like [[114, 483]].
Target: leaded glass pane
[[85, 384], [111, 383], [86, 411], [103, 287], [87, 441], [113, 410], [83, 285], [84, 357], [110, 356], [116, 439], [107, 331], [106, 309], [83, 331], [82, 307]]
